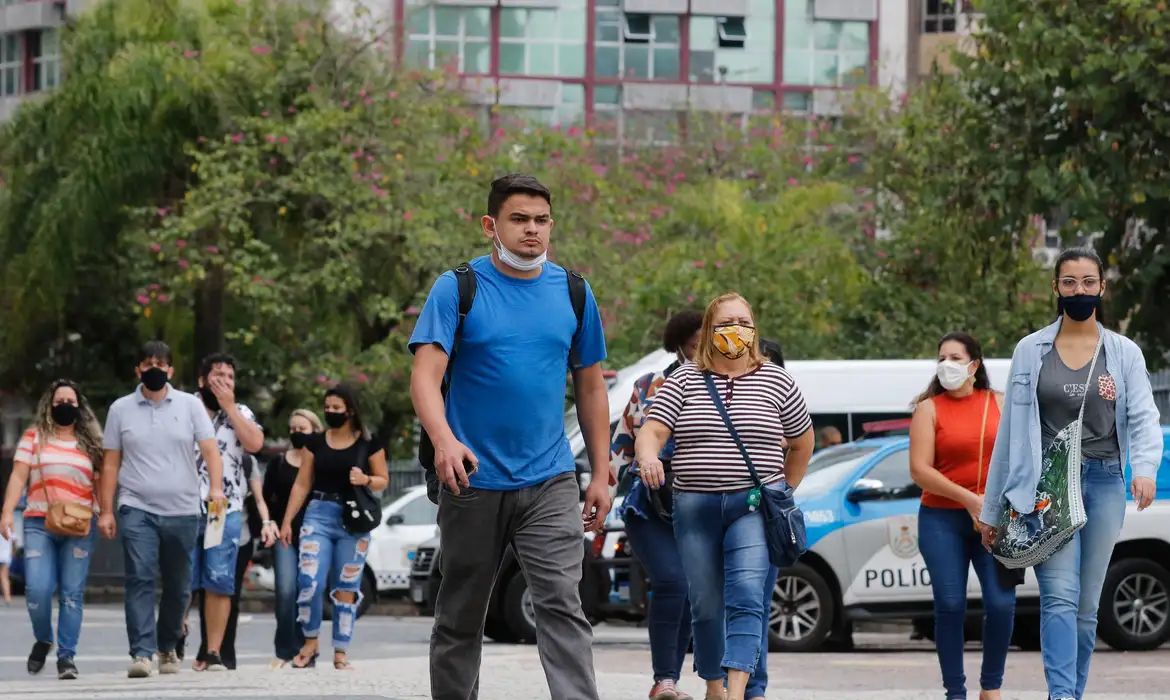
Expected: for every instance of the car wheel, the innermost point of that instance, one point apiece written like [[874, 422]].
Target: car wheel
[[519, 613], [924, 628], [802, 611], [1135, 605]]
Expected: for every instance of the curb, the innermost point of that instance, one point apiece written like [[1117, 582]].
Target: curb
[[259, 602]]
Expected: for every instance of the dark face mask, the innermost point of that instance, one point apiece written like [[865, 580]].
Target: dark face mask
[[209, 399], [65, 414], [298, 440], [1078, 307], [154, 379], [335, 419]]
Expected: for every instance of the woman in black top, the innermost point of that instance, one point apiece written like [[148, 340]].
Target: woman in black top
[[327, 474], [279, 478]]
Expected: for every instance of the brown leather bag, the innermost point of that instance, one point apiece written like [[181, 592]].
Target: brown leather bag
[[65, 518]]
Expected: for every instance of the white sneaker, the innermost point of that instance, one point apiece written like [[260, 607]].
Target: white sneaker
[[168, 663], [140, 667]]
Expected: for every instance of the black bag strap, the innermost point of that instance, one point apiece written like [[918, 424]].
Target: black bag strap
[[718, 400], [363, 454], [577, 294], [465, 277]]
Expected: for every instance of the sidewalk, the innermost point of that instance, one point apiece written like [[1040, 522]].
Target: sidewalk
[[512, 673]]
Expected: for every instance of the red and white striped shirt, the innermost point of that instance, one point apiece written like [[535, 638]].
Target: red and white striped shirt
[[58, 465]]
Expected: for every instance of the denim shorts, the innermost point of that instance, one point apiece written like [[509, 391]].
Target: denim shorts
[[214, 570]]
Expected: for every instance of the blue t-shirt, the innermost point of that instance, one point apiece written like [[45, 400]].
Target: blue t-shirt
[[507, 397]]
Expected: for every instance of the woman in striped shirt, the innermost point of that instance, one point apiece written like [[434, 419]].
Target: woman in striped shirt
[[719, 530], [58, 457]]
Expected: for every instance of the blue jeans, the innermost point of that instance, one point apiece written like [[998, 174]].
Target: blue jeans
[[214, 570], [156, 546], [1071, 580], [289, 639], [53, 562], [725, 556], [327, 547], [950, 546]]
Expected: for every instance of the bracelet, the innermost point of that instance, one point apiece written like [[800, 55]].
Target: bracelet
[[269, 522]]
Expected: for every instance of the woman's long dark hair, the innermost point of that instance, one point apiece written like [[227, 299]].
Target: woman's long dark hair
[[87, 430], [1070, 255], [974, 351], [349, 395]]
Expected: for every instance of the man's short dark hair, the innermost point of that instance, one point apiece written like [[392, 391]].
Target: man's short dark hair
[[155, 350], [216, 358], [512, 184], [680, 328]]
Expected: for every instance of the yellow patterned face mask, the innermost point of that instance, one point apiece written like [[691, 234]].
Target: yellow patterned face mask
[[734, 340]]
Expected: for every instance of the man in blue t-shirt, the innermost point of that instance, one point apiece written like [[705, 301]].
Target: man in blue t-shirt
[[504, 417]]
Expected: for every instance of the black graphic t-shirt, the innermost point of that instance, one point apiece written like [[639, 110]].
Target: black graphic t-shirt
[[331, 467], [1060, 389]]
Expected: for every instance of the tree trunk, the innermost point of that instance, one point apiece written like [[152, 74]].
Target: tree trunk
[[208, 319]]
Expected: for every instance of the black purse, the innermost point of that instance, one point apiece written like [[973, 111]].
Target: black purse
[[361, 511], [662, 498], [784, 525]]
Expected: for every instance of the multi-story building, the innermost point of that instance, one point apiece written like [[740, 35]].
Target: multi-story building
[[30, 55], [938, 28], [640, 63]]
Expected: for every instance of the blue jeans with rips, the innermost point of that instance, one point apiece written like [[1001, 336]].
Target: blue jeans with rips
[[328, 548], [60, 563]]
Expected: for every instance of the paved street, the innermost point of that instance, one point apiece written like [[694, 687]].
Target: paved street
[[390, 660]]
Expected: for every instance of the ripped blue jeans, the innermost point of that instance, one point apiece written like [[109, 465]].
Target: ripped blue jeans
[[330, 557], [54, 562]]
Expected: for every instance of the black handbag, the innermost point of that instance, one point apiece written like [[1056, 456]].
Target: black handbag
[[784, 525], [662, 498], [361, 511]]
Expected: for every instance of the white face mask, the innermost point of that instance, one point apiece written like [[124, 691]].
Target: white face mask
[[515, 261], [952, 375]]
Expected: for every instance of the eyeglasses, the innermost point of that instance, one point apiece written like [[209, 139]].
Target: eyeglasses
[[1091, 285]]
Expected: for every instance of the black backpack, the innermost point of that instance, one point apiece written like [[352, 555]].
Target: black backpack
[[465, 276]]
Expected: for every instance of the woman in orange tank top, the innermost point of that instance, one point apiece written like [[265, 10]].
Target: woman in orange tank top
[[951, 436]]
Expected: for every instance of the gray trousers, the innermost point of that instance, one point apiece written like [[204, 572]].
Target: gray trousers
[[543, 524]]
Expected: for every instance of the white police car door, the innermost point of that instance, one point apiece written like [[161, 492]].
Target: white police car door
[[880, 512]]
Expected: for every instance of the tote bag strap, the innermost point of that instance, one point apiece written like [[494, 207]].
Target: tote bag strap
[[1089, 379]]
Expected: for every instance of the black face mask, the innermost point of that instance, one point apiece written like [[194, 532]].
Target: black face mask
[[335, 419], [65, 414], [209, 399], [298, 440], [154, 379], [1078, 307]]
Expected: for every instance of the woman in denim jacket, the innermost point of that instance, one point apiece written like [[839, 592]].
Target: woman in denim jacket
[[1120, 420]]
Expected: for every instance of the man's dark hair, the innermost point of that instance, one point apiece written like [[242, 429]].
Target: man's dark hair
[[680, 328], [772, 351], [511, 184], [157, 350], [216, 358]]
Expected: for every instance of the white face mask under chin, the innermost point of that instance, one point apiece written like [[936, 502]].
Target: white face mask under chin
[[515, 261], [952, 375]]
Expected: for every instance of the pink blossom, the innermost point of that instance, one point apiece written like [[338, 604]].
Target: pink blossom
[[852, 159], [369, 101], [807, 160], [792, 181], [190, 54], [162, 211], [574, 131], [264, 113], [411, 311], [407, 215], [669, 189], [690, 299], [201, 140], [181, 243], [392, 94], [499, 133], [261, 50], [143, 299], [183, 264], [154, 247], [698, 264], [599, 170], [292, 109], [270, 138], [362, 93], [881, 253], [162, 298], [321, 379], [236, 138], [284, 139], [361, 378], [345, 103], [718, 264], [154, 287], [212, 249]]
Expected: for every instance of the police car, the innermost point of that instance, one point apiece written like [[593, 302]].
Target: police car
[[863, 563]]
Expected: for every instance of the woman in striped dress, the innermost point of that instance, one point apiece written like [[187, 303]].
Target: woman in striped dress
[[719, 530]]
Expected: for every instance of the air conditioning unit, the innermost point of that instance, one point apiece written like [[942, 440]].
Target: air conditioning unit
[[1045, 256]]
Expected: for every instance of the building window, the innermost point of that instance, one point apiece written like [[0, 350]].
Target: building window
[[543, 42], [638, 46], [570, 111], [940, 16], [823, 53], [725, 49], [442, 35], [10, 64], [45, 50]]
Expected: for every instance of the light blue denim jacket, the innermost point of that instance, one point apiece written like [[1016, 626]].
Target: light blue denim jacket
[[1014, 471]]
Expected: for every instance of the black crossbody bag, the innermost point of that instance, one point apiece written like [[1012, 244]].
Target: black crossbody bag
[[361, 511]]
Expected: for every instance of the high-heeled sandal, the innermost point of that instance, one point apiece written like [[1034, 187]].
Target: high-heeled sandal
[[311, 663], [341, 663]]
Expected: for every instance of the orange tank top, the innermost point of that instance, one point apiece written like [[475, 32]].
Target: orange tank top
[[956, 442]]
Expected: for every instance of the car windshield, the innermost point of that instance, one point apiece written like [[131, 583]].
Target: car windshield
[[827, 468]]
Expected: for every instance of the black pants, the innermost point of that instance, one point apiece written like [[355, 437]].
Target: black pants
[[227, 650]]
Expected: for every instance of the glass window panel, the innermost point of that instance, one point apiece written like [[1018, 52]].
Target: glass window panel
[[666, 30], [930, 26], [512, 22], [12, 50], [763, 99], [446, 51], [761, 35], [418, 53], [948, 24], [638, 28], [827, 35], [419, 20], [825, 69], [608, 61], [571, 114], [607, 95], [797, 8], [511, 58], [798, 33], [477, 58], [855, 36], [542, 24], [477, 21], [572, 60], [703, 66], [572, 94], [798, 101], [50, 46], [11, 84], [52, 77], [666, 64], [571, 24], [854, 69], [542, 59], [637, 61], [608, 33], [703, 34], [798, 67], [761, 9], [447, 20]]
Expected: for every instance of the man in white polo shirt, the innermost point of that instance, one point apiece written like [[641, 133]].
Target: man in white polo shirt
[[150, 464]]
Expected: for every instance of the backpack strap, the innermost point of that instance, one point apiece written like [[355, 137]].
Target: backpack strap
[[465, 277], [577, 294]]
